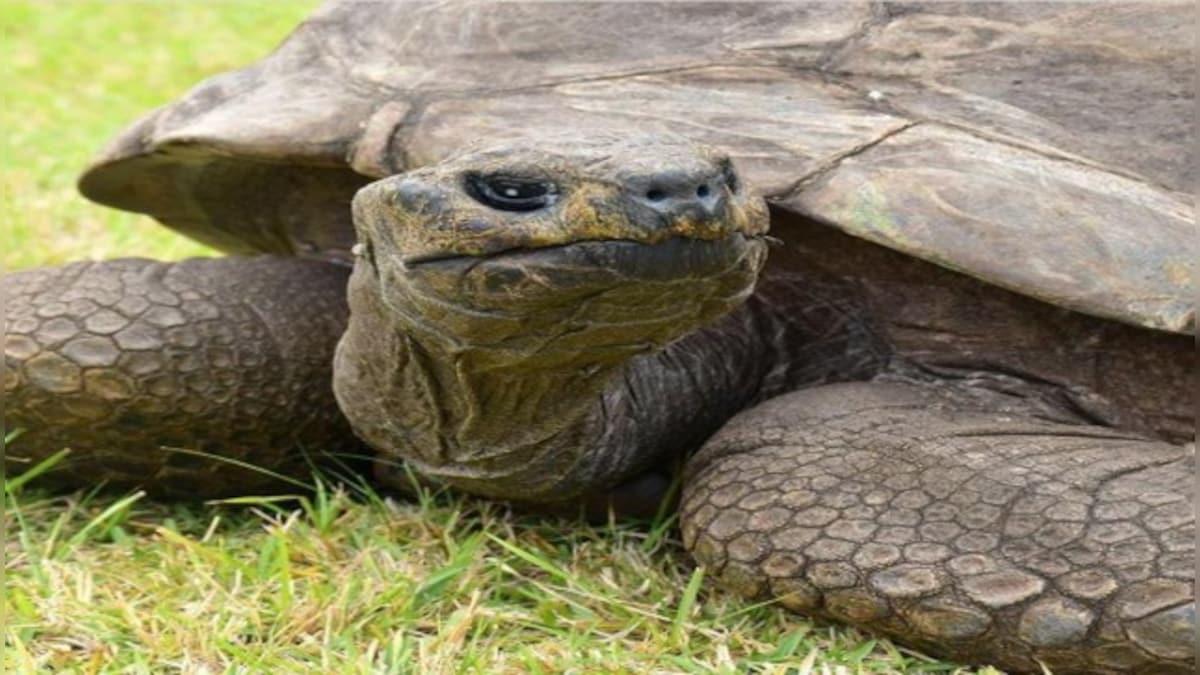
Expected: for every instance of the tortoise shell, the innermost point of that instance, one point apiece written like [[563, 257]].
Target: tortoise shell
[[1039, 147]]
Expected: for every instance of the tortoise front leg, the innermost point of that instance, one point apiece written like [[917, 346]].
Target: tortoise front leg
[[982, 536], [125, 361]]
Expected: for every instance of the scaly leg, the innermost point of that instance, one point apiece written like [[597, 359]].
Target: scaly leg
[[125, 360], [914, 511]]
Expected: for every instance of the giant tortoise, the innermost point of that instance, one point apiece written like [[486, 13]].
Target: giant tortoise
[[947, 398]]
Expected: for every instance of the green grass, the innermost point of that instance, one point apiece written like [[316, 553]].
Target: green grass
[[333, 582], [75, 74], [334, 585]]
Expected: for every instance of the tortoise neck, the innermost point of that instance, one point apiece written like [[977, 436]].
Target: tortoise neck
[[788, 335], [509, 424]]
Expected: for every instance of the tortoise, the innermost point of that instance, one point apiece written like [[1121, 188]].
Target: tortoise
[[528, 246]]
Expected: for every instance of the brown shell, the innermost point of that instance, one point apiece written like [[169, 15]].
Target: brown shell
[[1041, 147]]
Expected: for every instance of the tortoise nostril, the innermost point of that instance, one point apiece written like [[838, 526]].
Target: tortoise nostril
[[687, 193]]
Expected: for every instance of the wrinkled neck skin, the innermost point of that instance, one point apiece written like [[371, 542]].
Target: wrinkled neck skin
[[545, 405], [666, 404]]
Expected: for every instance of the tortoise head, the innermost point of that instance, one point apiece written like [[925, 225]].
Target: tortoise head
[[497, 294], [519, 244]]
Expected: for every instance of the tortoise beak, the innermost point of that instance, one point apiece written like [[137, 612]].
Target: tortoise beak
[[685, 203]]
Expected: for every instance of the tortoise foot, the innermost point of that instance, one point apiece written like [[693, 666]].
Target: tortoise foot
[[978, 536]]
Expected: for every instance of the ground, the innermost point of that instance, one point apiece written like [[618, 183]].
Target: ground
[[338, 581]]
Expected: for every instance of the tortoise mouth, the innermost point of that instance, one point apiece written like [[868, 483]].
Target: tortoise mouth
[[677, 257], [636, 294]]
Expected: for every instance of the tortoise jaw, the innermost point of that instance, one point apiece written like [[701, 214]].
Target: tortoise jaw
[[673, 257], [547, 284], [581, 300]]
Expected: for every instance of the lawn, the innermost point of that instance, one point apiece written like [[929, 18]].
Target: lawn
[[334, 581]]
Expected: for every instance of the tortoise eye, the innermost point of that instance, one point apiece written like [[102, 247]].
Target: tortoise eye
[[511, 193]]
